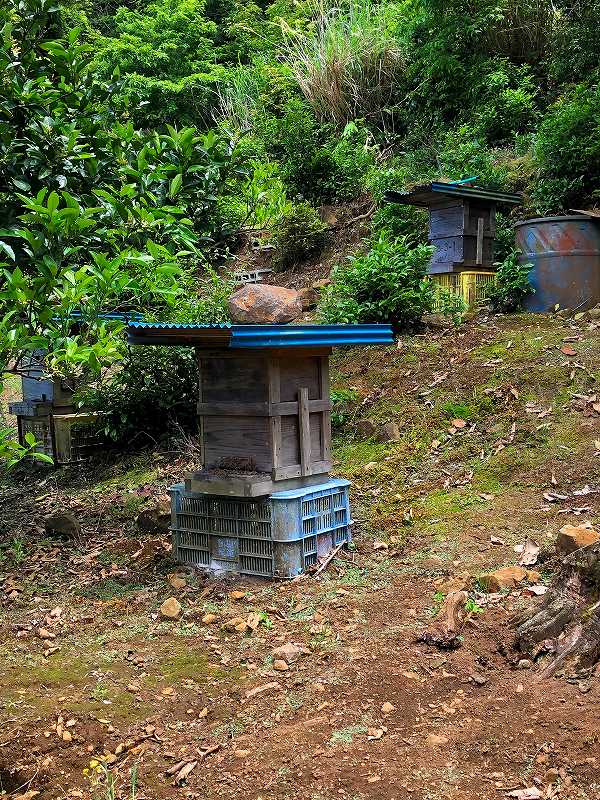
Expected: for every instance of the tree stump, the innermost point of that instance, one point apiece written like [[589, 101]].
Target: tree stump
[[445, 632], [565, 623]]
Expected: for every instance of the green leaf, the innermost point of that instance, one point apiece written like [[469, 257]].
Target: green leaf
[[52, 202], [7, 249], [43, 457], [175, 185], [20, 184]]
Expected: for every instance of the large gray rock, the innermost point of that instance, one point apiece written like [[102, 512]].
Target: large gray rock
[[260, 302]]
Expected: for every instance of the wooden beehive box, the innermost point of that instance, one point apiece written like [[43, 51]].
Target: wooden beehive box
[[463, 236], [462, 223], [267, 412]]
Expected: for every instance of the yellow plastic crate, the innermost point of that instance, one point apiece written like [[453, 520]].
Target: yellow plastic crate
[[471, 286]]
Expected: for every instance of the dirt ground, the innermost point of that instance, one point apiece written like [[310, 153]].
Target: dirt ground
[[103, 698]]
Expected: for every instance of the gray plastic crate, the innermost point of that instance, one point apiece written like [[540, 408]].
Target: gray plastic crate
[[279, 535]]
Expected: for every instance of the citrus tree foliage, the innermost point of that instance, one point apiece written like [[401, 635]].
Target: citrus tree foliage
[[95, 215]]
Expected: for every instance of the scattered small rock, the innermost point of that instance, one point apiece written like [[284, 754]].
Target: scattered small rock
[[171, 608], [290, 652], [572, 537], [390, 432], [261, 689], [365, 428], [209, 619], [507, 578], [387, 708], [280, 665], [524, 663], [309, 297], [63, 525], [177, 581], [435, 740]]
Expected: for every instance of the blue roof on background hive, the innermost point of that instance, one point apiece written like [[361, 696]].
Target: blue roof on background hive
[[233, 336]]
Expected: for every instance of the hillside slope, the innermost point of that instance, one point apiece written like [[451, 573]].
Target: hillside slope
[[367, 711]]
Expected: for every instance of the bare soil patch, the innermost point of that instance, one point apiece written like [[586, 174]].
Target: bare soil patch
[[201, 707]]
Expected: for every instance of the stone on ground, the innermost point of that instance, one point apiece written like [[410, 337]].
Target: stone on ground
[[389, 432], [289, 652], [63, 525], [155, 517], [171, 608], [365, 428], [572, 537], [308, 297], [507, 578]]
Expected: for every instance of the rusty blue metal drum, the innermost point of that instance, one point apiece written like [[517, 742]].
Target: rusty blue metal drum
[[565, 253]]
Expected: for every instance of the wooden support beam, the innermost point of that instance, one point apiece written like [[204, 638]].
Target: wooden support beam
[[304, 424], [479, 257]]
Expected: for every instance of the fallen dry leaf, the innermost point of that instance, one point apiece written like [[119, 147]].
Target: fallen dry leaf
[[529, 554], [184, 772]]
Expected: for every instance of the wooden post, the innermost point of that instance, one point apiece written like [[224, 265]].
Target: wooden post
[[326, 415], [479, 258], [304, 423]]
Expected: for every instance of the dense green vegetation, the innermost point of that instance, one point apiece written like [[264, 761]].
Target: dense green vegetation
[[140, 139]]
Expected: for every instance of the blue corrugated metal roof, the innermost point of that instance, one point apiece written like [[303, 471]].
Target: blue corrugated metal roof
[[247, 336], [426, 194]]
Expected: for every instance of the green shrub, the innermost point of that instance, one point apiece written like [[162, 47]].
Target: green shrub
[[505, 101], [396, 219], [299, 234], [261, 197], [567, 152], [512, 284], [166, 50], [386, 284], [343, 405], [352, 158], [155, 389], [293, 137]]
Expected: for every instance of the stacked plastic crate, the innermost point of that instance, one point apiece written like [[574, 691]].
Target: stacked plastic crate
[[264, 502]]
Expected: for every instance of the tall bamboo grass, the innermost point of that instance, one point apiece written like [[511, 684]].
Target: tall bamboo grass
[[349, 64], [524, 30]]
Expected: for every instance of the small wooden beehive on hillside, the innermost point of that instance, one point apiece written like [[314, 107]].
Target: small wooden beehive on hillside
[[462, 223]]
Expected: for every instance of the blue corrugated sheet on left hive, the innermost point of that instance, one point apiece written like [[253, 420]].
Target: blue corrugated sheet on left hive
[[257, 336]]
